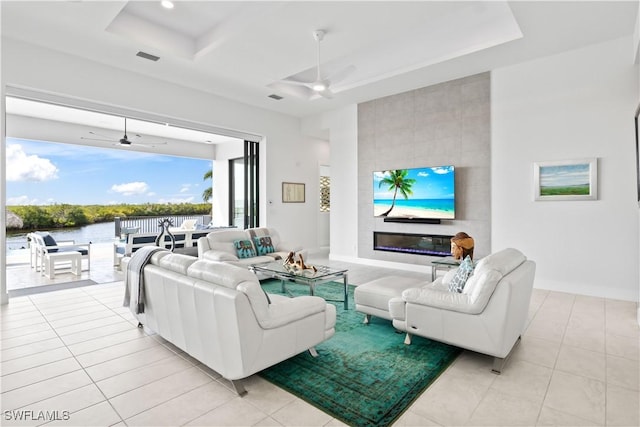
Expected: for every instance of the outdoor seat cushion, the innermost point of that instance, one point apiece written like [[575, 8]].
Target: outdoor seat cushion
[[82, 250]]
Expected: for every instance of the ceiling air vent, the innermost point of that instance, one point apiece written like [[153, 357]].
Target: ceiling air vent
[[148, 56], [276, 97]]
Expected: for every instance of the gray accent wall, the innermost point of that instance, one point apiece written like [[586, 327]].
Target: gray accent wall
[[444, 124]]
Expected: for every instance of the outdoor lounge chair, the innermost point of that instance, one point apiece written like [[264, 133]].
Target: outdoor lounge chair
[[42, 243]]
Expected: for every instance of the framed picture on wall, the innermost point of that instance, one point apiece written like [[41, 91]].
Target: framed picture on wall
[[292, 192], [566, 180], [637, 153]]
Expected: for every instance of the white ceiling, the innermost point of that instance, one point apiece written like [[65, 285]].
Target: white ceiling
[[81, 126], [238, 49]]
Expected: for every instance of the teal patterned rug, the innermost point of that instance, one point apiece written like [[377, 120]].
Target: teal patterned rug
[[364, 375]]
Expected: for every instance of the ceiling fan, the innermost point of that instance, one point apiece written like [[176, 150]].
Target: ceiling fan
[[124, 141], [322, 84]]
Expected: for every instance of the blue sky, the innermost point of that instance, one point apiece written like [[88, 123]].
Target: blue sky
[[431, 183], [42, 173], [564, 175]]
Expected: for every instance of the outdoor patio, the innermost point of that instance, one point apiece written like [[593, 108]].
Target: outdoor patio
[[21, 276]]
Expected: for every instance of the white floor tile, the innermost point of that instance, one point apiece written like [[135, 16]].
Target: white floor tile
[[577, 395], [146, 397], [33, 360], [199, 401], [52, 387], [150, 373], [39, 373], [100, 414], [500, 409], [236, 412]]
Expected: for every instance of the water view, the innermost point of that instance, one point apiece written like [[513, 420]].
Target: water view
[[95, 233]]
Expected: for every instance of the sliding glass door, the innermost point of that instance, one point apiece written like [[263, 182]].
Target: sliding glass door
[[244, 206]]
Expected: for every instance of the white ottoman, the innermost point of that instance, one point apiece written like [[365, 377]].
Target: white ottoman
[[50, 259], [372, 298]]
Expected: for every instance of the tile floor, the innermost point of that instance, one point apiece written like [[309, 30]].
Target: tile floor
[[78, 352]]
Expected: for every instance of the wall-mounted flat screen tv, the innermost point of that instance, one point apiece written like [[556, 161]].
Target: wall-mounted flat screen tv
[[416, 193]]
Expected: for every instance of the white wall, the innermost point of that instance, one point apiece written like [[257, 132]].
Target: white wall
[[298, 160], [574, 105], [343, 137], [31, 67]]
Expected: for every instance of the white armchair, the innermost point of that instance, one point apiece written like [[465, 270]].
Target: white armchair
[[489, 315]]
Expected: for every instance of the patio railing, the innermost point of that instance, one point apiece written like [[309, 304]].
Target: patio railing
[[150, 224]]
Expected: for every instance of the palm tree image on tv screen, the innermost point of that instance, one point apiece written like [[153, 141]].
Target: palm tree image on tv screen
[[427, 192]]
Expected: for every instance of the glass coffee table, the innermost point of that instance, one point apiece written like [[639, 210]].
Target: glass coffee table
[[443, 264], [307, 277]]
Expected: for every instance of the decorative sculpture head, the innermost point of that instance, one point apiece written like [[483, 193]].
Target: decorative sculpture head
[[462, 245]]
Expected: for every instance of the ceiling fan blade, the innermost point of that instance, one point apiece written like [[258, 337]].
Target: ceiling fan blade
[[295, 82], [96, 139], [149, 144]]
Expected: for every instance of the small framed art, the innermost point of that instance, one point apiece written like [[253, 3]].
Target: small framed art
[[292, 192], [566, 180]]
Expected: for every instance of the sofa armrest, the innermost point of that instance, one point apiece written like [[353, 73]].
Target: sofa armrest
[[397, 308], [220, 256], [203, 246], [282, 312], [445, 300]]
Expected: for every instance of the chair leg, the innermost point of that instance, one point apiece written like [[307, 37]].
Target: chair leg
[[313, 352], [498, 363], [238, 387], [407, 339], [367, 319]]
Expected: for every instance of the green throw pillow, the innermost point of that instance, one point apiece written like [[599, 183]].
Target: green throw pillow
[[264, 245], [462, 275], [244, 248]]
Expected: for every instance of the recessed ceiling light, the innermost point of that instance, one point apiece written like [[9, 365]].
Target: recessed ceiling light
[[167, 4]]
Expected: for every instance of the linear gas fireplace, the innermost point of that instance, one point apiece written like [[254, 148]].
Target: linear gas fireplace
[[419, 244]]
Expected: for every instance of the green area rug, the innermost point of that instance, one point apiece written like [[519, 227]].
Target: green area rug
[[364, 375]]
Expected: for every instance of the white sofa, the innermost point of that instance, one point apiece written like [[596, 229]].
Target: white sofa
[[220, 246], [489, 315], [219, 314]]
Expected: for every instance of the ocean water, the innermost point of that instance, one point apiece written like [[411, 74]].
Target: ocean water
[[446, 206]]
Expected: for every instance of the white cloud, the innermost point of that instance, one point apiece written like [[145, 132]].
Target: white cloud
[[131, 188], [442, 169], [185, 188], [23, 167], [21, 201]]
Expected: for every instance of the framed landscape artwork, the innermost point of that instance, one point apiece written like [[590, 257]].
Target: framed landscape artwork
[[566, 180]]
